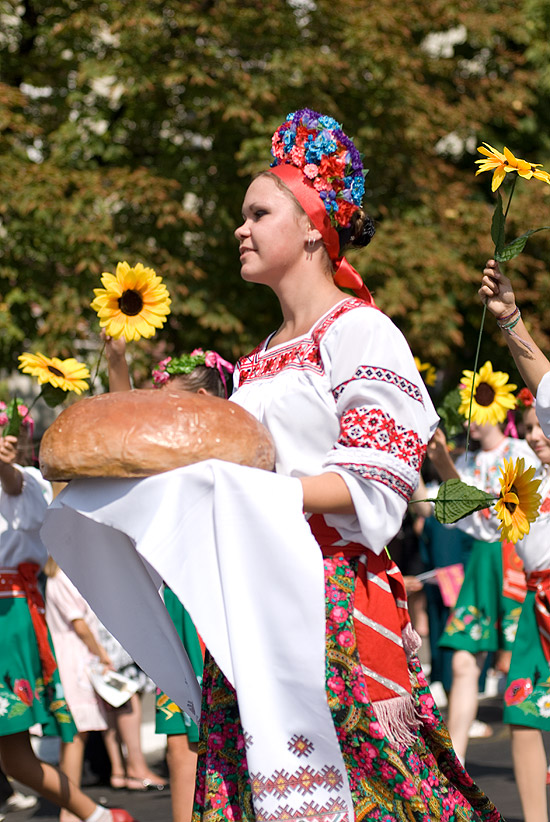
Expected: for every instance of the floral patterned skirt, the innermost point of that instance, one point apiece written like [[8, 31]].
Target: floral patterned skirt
[[423, 782], [24, 699], [527, 694], [483, 619]]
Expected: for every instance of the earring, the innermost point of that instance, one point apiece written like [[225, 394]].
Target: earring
[[310, 244]]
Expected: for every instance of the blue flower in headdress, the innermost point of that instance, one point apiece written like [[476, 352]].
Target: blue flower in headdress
[[358, 189], [289, 138], [328, 122], [313, 150], [329, 198]]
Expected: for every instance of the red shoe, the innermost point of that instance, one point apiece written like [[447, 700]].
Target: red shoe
[[120, 815]]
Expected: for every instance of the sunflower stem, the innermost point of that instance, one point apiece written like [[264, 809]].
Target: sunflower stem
[[94, 378], [514, 180], [474, 380]]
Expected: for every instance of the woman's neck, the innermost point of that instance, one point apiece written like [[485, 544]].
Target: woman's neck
[[302, 308]]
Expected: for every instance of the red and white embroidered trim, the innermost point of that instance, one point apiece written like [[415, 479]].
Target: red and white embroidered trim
[[304, 354], [383, 475], [372, 428], [372, 372]]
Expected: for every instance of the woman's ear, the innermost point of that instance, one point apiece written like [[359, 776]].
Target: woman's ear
[[314, 235]]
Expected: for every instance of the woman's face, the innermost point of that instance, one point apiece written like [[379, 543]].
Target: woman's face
[[535, 437], [273, 235]]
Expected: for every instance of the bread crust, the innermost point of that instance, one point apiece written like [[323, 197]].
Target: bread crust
[[144, 432]]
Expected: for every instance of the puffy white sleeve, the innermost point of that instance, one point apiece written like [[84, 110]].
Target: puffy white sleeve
[[386, 419], [542, 405], [26, 510]]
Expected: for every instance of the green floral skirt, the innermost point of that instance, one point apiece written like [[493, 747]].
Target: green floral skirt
[[527, 694], [24, 699], [423, 782], [483, 619]]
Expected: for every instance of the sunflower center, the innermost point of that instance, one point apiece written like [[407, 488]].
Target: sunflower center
[[130, 303], [511, 506], [55, 371], [484, 394]]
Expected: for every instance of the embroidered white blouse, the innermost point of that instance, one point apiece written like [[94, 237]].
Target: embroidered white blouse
[[21, 518], [346, 397]]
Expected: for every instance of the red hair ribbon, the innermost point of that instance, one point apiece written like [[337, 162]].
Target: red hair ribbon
[[345, 274]]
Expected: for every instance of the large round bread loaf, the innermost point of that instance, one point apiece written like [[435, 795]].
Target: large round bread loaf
[[144, 432]]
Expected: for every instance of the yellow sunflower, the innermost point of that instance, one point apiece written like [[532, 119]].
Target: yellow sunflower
[[133, 303], [427, 370], [493, 395], [502, 163], [69, 375], [518, 503]]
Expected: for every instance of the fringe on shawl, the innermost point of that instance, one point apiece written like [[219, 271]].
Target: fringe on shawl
[[397, 716]]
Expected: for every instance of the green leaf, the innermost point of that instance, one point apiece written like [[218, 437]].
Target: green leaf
[[455, 499], [497, 226], [452, 421], [53, 396], [14, 420], [516, 246]]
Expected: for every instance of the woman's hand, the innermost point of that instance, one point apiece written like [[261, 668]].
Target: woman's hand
[[496, 290], [439, 456], [8, 450], [115, 352], [11, 478]]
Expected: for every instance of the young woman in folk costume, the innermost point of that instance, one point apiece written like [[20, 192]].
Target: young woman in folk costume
[[337, 387], [30, 689], [202, 373]]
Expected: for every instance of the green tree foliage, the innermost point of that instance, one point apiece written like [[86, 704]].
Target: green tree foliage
[[129, 129]]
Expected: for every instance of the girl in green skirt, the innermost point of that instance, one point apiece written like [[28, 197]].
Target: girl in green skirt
[[30, 689]]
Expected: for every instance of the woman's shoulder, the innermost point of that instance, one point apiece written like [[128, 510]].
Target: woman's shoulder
[[358, 320]]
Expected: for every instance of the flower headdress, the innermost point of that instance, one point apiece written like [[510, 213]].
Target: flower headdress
[[171, 366], [323, 169]]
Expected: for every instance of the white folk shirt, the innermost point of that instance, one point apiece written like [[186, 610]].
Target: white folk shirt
[[21, 518], [346, 397]]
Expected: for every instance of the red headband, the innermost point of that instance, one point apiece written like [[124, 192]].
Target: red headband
[[345, 274]]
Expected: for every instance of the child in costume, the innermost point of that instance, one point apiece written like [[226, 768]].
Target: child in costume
[[74, 630], [30, 688], [202, 373]]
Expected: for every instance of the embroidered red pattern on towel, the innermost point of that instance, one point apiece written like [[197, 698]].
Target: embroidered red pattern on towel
[[372, 372], [303, 354], [372, 428]]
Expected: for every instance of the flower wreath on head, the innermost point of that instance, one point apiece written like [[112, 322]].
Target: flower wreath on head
[[322, 168], [316, 144], [171, 366]]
